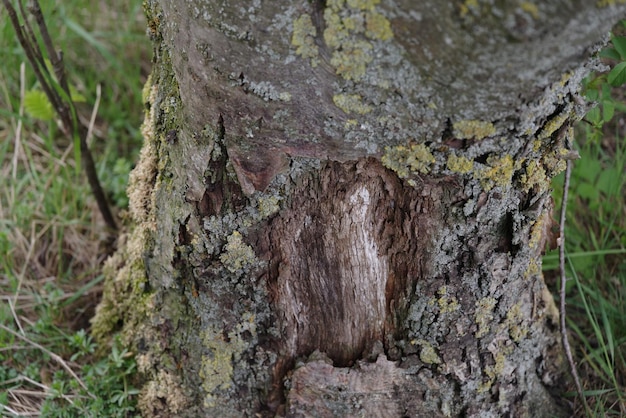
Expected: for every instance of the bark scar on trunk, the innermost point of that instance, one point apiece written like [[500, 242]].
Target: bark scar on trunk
[[339, 278]]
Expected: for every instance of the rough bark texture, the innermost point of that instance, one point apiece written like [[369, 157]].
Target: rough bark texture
[[340, 207]]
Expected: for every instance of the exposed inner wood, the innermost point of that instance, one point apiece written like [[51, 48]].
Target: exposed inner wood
[[344, 257]]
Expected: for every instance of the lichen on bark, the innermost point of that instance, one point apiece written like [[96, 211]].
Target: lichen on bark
[[349, 191]]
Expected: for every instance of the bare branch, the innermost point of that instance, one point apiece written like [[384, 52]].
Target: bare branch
[[56, 57]]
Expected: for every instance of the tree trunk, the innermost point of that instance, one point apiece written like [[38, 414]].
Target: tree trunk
[[340, 207]]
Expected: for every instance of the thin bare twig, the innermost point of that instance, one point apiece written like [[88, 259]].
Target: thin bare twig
[[32, 52], [565, 339]]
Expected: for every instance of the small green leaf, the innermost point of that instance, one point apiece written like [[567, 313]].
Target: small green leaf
[[593, 116], [617, 76], [592, 94], [619, 42], [610, 53], [608, 110], [37, 105], [606, 92]]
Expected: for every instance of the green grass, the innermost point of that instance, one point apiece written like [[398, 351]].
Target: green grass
[[596, 250], [596, 267], [51, 240]]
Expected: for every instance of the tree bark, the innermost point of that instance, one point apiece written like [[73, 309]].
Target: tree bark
[[340, 207]]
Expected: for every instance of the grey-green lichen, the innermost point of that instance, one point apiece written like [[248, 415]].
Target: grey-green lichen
[[303, 38], [476, 129], [405, 161], [351, 103], [124, 295], [237, 255], [483, 316]]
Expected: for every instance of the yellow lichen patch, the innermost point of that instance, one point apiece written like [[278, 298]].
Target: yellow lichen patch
[[537, 233], [362, 4], [606, 3], [428, 354], [496, 370], [530, 8], [484, 315], [533, 270], [377, 26], [351, 62], [554, 163], [499, 350], [217, 369], [351, 103], [515, 323], [268, 206], [498, 173], [165, 387], [466, 6], [535, 175], [349, 25], [553, 125], [460, 165], [351, 124], [476, 129], [446, 303], [408, 160], [285, 96], [303, 38], [237, 254]]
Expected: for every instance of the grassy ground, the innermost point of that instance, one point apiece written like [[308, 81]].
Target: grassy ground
[[50, 232], [50, 278]]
